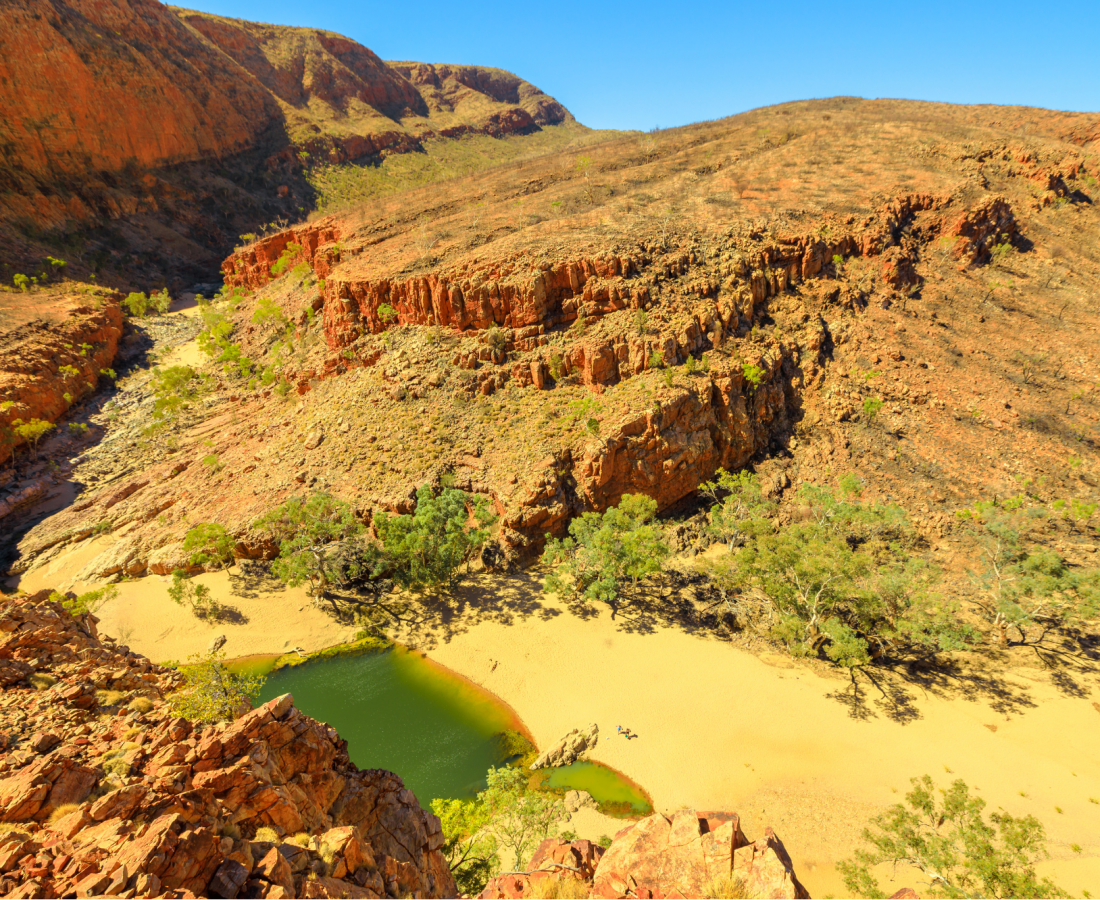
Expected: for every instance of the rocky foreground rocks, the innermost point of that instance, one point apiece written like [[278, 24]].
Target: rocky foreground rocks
[[689, 854], [104, 792]]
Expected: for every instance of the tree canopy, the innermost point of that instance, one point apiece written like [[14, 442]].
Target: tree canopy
[[604, 550], [307, 532], [841, 580], [943, 832], [430, 546], [209, 544]]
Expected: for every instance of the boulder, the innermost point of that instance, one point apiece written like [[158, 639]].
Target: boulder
[[569, 748]]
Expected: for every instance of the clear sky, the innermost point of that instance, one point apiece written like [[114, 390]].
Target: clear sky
[[646, 64]]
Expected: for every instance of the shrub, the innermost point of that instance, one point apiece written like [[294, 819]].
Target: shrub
[[386, 313], [109, 698], [136, 303], [605, 549], [173, 388], [212, 693], [641, 322], [285, 258], [59, 812], [497, 338], [89, 602], [949, 839], [266, 834], [40, 681], [32, 431], [141, 705], [753, 374], [21, 281], [197, 596], [726, 887], [871, 408]]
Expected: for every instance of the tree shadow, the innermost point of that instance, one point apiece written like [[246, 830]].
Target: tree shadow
[[251, 578], [896, 686]]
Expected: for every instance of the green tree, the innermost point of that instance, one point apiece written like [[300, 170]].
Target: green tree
[[843, 581], [210, 545], [429, 546], [185, 591], [468, 845], [386, 313], [308, 531], [32, 431], [1026, 591], [174, 389], [519, 817], [136, 303], [604, 550], [753, 374], [944, 833], [742, 512], [88, 602], [211, 692]]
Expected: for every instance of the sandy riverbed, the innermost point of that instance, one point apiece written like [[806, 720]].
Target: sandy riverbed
[[718, 727]]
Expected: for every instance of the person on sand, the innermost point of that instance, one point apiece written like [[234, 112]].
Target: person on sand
[[618, 729]]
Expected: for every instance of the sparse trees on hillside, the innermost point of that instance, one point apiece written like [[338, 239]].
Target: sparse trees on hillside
[[605, 550], [32, 431]]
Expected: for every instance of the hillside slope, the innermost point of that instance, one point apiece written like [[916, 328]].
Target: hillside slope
[[809, 289]]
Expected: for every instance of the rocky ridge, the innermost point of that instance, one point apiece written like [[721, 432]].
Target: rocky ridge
[[105, 792]]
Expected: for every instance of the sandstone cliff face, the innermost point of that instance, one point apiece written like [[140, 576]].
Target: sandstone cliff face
[[102, 98], [154, 805], [682, 855], [88, 86], [47, 365]]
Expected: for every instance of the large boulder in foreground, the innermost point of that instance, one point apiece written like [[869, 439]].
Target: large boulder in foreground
[[570, 748], [686, 855], [106, 793]]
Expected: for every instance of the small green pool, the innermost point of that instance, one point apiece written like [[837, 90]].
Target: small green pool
[[613, 791], [401, 712]]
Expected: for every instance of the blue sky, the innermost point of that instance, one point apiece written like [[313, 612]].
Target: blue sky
[[645, 64]]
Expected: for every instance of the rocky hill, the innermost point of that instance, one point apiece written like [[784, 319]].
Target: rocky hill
[[105, 792], [896, 289], [140, 140]]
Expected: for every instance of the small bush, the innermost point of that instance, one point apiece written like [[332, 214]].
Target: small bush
[[61, 811], [872, 406], [300, 839], [40, 681], [753, 374], [604, 841], [267, 834], [564, 887], [729, 886], [109, 698], [141, 705]]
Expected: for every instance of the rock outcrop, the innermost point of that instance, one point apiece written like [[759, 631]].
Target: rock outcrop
[[679, 856], [570, 748], [105, 792], [47, 365]]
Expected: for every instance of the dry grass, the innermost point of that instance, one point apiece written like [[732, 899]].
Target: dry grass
[[266, 833], [107, 698], [141, 705], [564, 888], [731, 887], [41, 681], [60, 812]]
